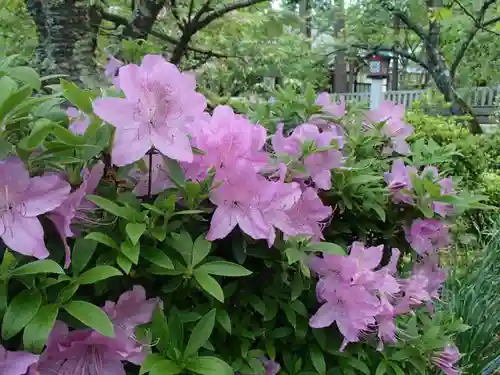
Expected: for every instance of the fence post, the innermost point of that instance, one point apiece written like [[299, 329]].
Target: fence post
[[376, 93]]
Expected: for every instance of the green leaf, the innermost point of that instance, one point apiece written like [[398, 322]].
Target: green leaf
[[82, 252], [359, 365], [124, 263], [131, 252], [398, 370], [135, 231], [200, 334], [97, 273], [156, 364], [25, 74], [38, 266], [3, 296], [157, 257], [293, 255], [175, 172], [5, 147], [209, 366], [20, 312], [381, 369], [326, 247], [92, 316], [77, 96], [111, 207], [183, 243], [102, 238], [224, 320], [223, 268], [201, 249], [37, 331], [209, 284]]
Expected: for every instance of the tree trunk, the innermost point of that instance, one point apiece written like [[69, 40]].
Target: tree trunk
[[145, 14], [340, 64], [440, 72], [395, 60], [305, 14], [67, 32]]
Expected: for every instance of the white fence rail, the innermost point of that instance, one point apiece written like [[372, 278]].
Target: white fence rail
[[475, 97]]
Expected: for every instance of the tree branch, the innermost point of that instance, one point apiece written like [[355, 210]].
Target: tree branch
[[197, 23], [119, 20], [413, 26], [219, 12], [479, 24]]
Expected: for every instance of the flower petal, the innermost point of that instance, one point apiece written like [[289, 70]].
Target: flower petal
[[115, 111], [44, 194], [173, 143], [129, 146], [223, 222], [24, 235]]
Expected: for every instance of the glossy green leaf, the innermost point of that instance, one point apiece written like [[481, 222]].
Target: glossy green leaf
[[38, 266], [209, 285], [36, 333], [82, 252], [102, 238], [97, 273], [209, 366], [92, 316], [135, 231], [223, 268], [200, 334], [201, 249], [20, 312]]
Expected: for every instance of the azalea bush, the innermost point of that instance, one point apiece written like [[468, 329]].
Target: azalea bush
[[145, 234]]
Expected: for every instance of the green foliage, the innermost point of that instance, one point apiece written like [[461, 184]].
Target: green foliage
[[472, 295], [228, 303]]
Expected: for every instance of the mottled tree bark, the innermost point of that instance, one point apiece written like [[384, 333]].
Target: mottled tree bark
[[67, 31]]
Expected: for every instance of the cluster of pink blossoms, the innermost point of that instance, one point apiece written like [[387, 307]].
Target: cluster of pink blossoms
[[85, 351], [256, 190], [361, 299], [424, 235], [162, 110]]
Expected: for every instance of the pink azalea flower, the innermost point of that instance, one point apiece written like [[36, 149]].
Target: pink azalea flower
[[306, 216], [429, 268], [272, 367], [81, 352], [79, 120], [160, 179], [75, 206], [351, 307], [159, 103], [399, 182], [447, 359], [318, 164], [22, 199], [112, 67], [354, 295], [427, 236], [330, 108], [447, 189], [237, 201], [15, 363], [86, 351], [394, 128], [131, 309], [226, 138]]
